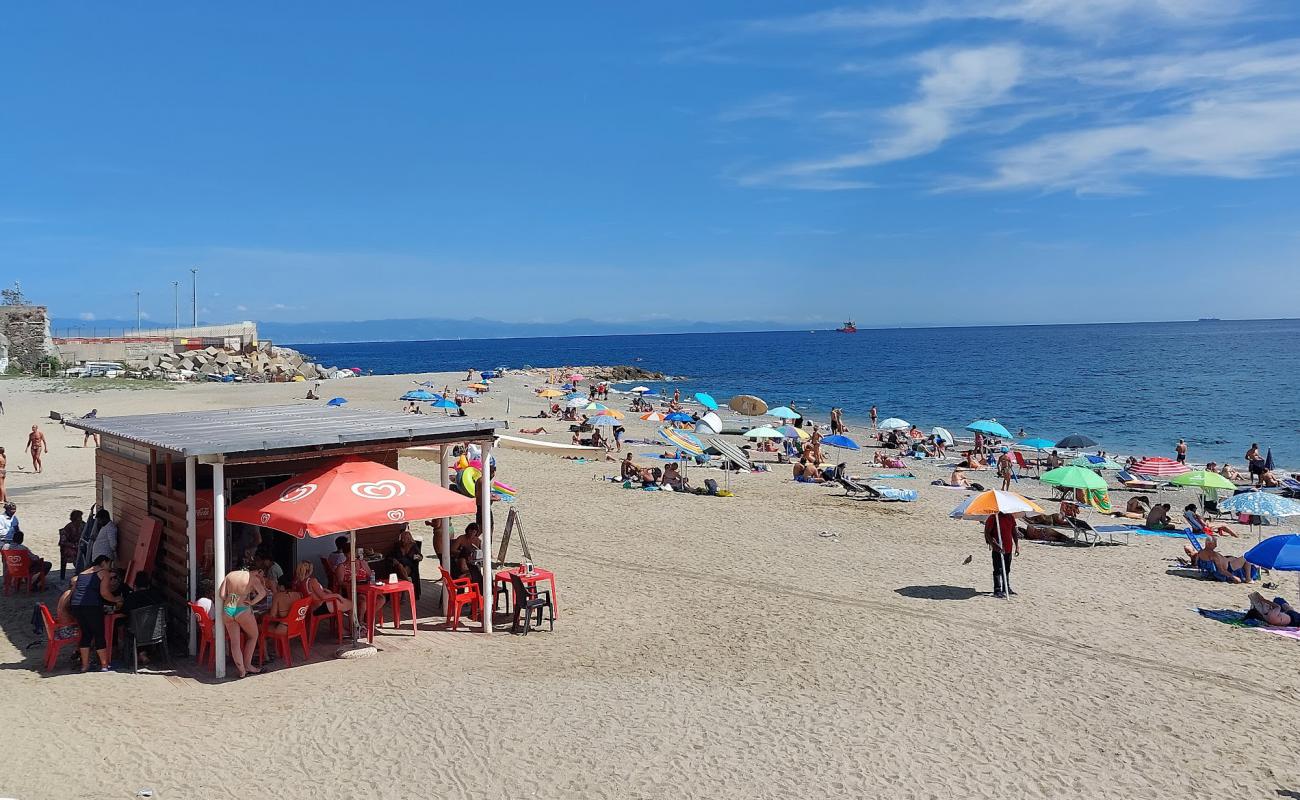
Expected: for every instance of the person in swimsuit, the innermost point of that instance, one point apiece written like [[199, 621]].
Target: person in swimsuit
[[91, 589], [239, 592], [305, 583], [283, 601], [4, 463], [1277, 612], [37, 445]]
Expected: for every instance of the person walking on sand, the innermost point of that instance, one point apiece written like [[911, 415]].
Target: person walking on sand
[[1004, 469], [1180, 452], [37, 445], [4, 465], [1003, 539]]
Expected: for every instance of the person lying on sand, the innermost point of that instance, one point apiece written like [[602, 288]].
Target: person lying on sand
[[532, 431], [1276, 613], [1235, 568], [1136, 508], [1200, 526]]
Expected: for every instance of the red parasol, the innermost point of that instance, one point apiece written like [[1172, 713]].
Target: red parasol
[[349, 494], [1159, 467]]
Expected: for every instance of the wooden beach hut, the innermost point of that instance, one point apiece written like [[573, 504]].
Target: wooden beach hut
[[173, 476]]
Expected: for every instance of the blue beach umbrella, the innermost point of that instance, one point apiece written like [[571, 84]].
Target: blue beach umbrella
[[488, 374], [678, 416], [1038, 444], [783, 412], [443, 402], [1260, 504], [419, 395], [990, 426], [835, 440], [337, 401], [603, 420], [1277, 552], [707, 400]]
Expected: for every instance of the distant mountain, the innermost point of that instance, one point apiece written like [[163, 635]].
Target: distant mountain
[[400, 330]]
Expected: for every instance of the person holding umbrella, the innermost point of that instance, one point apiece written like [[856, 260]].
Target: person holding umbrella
[[1003, 539]]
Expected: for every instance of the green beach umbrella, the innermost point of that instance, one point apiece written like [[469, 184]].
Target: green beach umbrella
[[1073, 478], [1203, 479]]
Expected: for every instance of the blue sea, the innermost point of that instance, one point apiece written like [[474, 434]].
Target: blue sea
[[1136, 388]]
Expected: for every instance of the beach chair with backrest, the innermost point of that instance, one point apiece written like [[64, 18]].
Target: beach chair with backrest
[[1290, 487], [147, 626], [1132, 483], [54, 643]]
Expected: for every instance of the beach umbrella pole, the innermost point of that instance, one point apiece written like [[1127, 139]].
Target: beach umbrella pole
[[352, 571]]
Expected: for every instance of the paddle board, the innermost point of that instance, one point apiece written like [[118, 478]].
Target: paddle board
[[748, 405], [542, 446]]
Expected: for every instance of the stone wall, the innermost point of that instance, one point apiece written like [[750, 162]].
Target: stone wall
[[24, 337]]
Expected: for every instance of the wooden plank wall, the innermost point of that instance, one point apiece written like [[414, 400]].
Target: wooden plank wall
[[130, 494]]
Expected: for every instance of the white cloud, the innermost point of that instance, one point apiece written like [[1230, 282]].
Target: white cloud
[[956, 85], [87, 316], [1221, 139], [1084, 16], [241, 308]]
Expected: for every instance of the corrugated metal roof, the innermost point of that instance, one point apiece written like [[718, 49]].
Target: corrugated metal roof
[[251, 430]]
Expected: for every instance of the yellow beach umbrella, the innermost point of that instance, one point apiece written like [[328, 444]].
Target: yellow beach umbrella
[[609, 412], [550, 393]]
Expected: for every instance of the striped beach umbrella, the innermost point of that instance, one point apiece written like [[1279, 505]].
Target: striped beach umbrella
[[686, 442], [1159, 467], [653, 416]]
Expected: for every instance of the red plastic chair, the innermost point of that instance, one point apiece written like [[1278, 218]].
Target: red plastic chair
[[316, 619], [296, 623], [461, 592], [52, 644], [207, 653], [18, 570]]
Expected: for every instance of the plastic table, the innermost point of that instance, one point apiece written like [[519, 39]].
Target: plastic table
[[531, 579], [372, 592]]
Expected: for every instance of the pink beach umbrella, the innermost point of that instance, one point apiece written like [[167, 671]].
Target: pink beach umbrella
[[1159, 467]]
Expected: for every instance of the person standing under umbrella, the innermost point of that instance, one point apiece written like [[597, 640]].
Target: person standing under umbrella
[[1003, 540]]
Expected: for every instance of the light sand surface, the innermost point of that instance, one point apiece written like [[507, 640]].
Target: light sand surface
[[707, 647]]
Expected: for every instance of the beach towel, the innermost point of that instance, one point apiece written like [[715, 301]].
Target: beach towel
[[1228, 616], [1100, 500], [903, 495], [1138, 530], [881, 477]]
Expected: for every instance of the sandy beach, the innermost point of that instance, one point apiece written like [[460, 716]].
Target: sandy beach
[[785, 642]]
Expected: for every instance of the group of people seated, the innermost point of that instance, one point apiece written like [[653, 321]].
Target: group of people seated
[[670, 476], [93, 594]]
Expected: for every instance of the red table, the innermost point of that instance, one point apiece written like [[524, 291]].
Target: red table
[[372, 592], [531, 579]]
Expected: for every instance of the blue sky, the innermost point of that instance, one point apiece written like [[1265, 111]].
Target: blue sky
[[926, 162]]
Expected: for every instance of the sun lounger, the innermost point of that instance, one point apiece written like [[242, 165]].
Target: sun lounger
[[868, 492], [1135, 484], [1290, 487], [1084, 533]]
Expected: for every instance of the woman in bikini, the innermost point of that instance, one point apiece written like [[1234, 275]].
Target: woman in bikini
[[239, 592]]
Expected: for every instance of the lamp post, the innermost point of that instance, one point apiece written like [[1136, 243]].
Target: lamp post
[[176, 306], [194, 297], [137, 312]]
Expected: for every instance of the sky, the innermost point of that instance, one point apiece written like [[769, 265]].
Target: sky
[[944, 162]]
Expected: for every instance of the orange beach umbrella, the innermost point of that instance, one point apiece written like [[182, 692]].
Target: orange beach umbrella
[[995, 502]]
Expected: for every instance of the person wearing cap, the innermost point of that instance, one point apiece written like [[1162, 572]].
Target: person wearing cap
[[8, 522]]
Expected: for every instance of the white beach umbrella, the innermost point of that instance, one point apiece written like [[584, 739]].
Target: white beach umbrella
[[894, 424]]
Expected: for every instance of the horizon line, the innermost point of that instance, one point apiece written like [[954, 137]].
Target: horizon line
[[919, 326]]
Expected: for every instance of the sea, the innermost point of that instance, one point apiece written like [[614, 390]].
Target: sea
[[1136, 388]]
